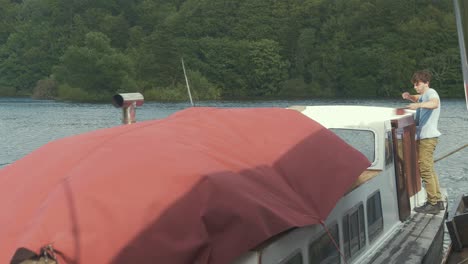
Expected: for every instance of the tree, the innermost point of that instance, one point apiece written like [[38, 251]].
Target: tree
[[7, 11], [265, 68], [28, 56], [96, 67]]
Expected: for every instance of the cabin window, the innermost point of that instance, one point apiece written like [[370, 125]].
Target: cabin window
[[294, 259], [362, 140], [374, 216], [323, 250], [354, 234]]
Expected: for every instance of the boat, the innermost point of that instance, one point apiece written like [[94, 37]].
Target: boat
[[307, 184]]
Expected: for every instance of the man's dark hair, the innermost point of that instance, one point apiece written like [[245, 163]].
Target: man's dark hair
[[421, 76]]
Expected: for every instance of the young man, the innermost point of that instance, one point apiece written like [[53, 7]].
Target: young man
[[427, 106]]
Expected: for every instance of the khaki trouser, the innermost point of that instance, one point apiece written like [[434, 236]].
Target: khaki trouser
[[426, 149]]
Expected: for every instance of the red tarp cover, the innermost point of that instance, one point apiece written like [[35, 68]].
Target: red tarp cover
[[201, 186]]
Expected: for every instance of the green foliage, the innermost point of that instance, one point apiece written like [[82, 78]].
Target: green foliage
[[7, 91], [201, 88], [242, 68], [222, 61], [156, 60], [45, 89], [27, 56], [232, 48], [265, 68], [175, 93], [68, 93], [95, 67], [6, 19]]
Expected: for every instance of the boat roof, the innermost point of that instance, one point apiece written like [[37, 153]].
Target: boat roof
[[339, 116], [203, 185]]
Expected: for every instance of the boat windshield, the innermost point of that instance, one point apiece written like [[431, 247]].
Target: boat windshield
[[362, 140]]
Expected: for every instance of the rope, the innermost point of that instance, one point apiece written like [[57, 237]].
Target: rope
[[333, 240], [48, 251], [451, 153]]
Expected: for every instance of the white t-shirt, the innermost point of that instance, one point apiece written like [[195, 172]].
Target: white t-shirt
[[427, 119]]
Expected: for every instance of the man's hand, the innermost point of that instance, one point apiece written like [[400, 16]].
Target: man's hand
[[406, 95]]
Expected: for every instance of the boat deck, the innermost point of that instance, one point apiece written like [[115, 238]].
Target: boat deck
[[413, 240], [456, 257]]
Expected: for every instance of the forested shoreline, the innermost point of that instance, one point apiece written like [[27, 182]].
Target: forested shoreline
[[87, 50]]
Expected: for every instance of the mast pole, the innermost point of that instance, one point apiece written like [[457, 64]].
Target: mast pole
[[186, 82]]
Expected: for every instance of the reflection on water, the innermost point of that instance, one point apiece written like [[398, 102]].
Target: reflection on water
[[27, 124]]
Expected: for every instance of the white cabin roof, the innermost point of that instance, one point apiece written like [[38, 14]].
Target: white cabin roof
[[339, 116]]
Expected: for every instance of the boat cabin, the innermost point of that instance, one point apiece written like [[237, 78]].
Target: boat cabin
[[378, 207]]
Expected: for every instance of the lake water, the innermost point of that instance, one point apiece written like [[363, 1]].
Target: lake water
[[27, 124]]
